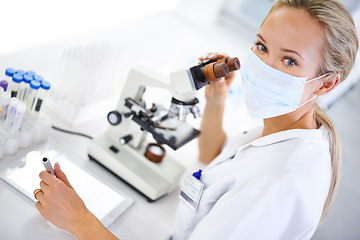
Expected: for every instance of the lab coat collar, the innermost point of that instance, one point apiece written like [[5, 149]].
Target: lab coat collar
[[310, 134]]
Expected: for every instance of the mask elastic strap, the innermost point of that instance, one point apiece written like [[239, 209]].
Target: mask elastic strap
[[326, 74], [307, 101]]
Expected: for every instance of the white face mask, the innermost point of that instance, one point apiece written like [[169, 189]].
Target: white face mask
[[269, 92]]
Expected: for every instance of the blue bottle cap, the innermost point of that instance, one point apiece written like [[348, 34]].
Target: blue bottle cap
[[197, 174], [32, 73], [17, 78], [45, 85], [28, 78], [9, 72], [21, 72], [38, 78], [35, 84]]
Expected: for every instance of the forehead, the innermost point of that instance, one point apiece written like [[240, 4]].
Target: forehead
[[293, 28]]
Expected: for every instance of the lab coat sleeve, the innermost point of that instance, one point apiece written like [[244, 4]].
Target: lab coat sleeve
[[265, 209]]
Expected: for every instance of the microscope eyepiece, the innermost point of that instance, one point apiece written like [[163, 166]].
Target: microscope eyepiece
[[214, 71], [233, 63]]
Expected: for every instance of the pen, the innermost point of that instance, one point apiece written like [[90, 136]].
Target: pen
[[48, 166]]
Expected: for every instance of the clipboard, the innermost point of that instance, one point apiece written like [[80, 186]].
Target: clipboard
[[103, 201]]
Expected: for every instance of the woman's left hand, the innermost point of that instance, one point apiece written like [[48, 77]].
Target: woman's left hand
[[216, 92]]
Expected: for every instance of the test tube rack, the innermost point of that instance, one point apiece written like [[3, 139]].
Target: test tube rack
[[34, 129]]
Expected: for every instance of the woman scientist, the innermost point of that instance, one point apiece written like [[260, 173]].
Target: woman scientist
[[279, 182]]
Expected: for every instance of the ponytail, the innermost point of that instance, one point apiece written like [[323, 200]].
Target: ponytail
[[335, 150]]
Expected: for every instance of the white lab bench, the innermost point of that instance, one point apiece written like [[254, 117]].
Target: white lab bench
[[19, 218]]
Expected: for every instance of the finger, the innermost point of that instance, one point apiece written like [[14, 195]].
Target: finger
[[215, 56], [221, 83], [40, 207], [212, 56], [61, 175], [203, 57], [47, 177], [39, 195], [43, 186], [230, 78]]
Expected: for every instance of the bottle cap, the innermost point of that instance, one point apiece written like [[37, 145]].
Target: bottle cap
[[9, 72], [35, 84], [21, 72], [197, 174], [5, 98], [28, 78], [45, 85], [17, 78], [31, 73], [21, 107], [4, 84], [14, 101], [38, 78]]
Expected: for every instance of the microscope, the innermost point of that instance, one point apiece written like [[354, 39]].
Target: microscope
[[124, 147]]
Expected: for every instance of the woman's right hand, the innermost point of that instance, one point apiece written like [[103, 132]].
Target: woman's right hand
[[60, 204], [216, 92]]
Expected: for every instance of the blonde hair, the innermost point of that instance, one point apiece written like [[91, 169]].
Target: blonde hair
[[340, 48]]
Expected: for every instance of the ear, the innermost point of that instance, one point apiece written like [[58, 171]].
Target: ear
[[328, 83]]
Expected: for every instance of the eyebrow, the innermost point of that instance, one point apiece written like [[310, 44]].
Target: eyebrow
[[291, 51], [259, 36], [282, 49]]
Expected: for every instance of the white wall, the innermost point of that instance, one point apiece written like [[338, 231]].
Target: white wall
[[26, 23]]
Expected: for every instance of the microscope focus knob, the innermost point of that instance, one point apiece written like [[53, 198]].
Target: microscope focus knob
[[114, 117]]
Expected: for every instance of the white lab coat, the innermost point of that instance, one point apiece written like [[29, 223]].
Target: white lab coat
[[274, 187]]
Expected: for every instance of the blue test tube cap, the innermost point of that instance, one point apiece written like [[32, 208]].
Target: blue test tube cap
[[45, 85], [28, 78], [31, 73], [17, 78], [38, 78], [20, 72], [9, 72], [35, 84]]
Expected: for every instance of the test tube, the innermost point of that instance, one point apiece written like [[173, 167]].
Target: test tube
[[9, 72], [1, 91], [20, 110], [4, 103], [24, 86], [45, 86], [10, 115], [32, 94], [15, 85]]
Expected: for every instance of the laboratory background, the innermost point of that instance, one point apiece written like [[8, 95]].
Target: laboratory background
[[88, 52]]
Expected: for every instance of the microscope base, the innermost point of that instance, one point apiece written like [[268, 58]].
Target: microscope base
[[154, 180]]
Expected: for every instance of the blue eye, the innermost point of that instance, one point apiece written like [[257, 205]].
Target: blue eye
[[261, 47], [290, 62]]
